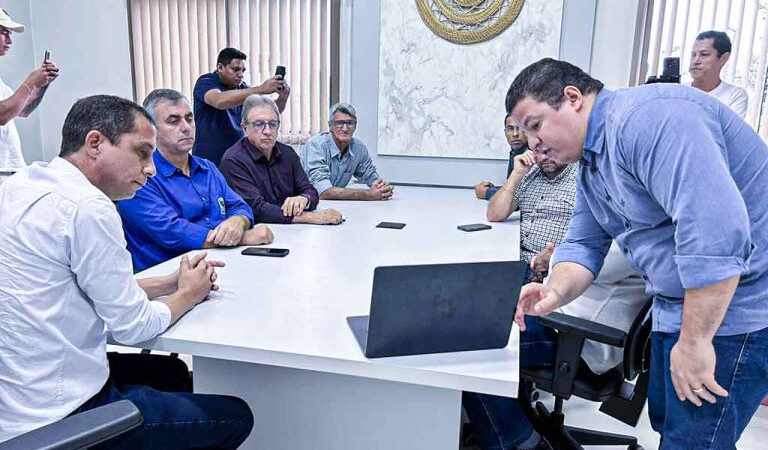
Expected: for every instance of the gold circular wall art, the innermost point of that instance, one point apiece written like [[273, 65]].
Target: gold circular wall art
[[468, 21]]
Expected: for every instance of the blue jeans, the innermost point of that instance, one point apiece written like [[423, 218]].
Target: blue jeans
[[742, 370], [173, 419], [500, 422]]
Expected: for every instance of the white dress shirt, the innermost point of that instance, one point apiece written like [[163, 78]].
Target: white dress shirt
[[10, 143], [613, 299], [64, 275]]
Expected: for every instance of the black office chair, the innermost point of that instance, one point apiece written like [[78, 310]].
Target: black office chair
[[81, 430], [571, 376]]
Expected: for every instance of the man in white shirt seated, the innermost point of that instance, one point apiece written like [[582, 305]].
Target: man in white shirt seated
[[614, 299], [710, 52], [65, 276]]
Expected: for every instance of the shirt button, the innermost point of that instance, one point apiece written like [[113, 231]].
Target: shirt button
[[203, 198]]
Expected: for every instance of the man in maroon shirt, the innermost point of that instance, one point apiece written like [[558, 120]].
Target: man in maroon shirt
[[268, 174]]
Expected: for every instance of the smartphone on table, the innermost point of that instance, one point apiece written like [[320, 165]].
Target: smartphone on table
[[263, 251]]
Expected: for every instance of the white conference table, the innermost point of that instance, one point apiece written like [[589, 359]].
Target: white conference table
[[276, 333]]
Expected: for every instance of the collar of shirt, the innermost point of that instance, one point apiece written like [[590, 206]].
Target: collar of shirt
[[62, 164], [593, 142], [519, 151], [259, 157], [166, 169], [334, 149], [569, 169]]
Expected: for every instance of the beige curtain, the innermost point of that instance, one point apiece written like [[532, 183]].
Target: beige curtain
[[176, 41]]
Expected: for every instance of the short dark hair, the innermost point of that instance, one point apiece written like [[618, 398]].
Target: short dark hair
[[228, 54], [509, 114], [545, 81], [111, 116], [721, 41], [171, 96]]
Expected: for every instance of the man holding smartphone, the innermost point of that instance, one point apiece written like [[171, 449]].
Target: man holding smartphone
[[22, 101], [218, 103]]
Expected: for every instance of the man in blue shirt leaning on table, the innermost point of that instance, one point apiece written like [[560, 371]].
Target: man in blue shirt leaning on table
[[188, 204], [679, 181]]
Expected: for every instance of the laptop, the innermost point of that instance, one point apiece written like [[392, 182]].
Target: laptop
[[439, 308]]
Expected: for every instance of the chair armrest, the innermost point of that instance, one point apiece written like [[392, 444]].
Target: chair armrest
[[81, 430], [584, 328]]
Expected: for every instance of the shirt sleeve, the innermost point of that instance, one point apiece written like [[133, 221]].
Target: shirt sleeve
[[152, 219], [586, 242], [103, 270], [739, 102], [203, 85], [677, 151], [365, 170], [236, 206], [314, 164], [303, 186], [240, 180]]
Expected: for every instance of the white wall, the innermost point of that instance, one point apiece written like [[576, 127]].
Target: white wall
[[612, 44], [89, 41]]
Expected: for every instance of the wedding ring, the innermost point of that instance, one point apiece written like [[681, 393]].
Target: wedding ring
[[698, 390]]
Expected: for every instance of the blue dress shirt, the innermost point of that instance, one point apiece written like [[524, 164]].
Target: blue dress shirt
[[173, 213], [681, 182], [321, 159]]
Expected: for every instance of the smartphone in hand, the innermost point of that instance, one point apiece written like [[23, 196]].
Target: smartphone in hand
[[280, 73]]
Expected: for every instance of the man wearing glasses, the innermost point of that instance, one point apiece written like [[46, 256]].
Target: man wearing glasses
[[331, 159], [268, 174], [518, 145], [219, 98]]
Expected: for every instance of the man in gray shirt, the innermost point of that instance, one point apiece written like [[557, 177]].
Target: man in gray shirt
[[330, 159]]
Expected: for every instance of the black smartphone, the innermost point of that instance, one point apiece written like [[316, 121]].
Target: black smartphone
[[263, 251], [393, 225], [280, 72], [47, 55], [474, 227]]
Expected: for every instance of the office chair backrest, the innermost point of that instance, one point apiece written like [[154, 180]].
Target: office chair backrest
[[637, 350]]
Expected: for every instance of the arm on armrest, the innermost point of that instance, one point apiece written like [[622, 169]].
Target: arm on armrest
[[584, 328], [81, 430]]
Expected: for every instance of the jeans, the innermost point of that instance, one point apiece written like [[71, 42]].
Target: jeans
[[173, 418], [500, 422], [742, 370]]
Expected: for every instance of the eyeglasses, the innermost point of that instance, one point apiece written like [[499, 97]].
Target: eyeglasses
[[340, 124], [260, 125]]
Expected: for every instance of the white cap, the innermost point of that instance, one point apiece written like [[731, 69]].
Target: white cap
[[7, 22]]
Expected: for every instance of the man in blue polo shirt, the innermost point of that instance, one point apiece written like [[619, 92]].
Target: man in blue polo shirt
[[219, 98], [679, 181], [188, 204]]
